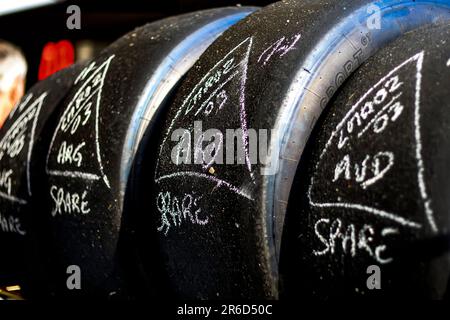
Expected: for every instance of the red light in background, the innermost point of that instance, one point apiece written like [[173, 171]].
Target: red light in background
[[55, 56]]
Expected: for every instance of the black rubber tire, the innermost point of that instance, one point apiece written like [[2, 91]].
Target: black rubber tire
[[287, 61], [94, 141], [20, 141], [391, 123]]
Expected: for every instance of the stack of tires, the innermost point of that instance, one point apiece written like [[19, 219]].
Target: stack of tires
[[281, 152]]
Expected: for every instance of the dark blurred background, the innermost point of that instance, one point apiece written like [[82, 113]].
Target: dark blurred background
[[102, 22]]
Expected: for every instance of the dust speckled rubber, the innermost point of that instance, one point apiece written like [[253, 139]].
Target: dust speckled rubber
[[20, 141], [274, 70], [95, 139], [372, 187]]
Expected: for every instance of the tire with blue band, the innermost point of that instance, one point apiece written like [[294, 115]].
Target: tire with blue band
[[368, 213], [95, 138], [220, 222]]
